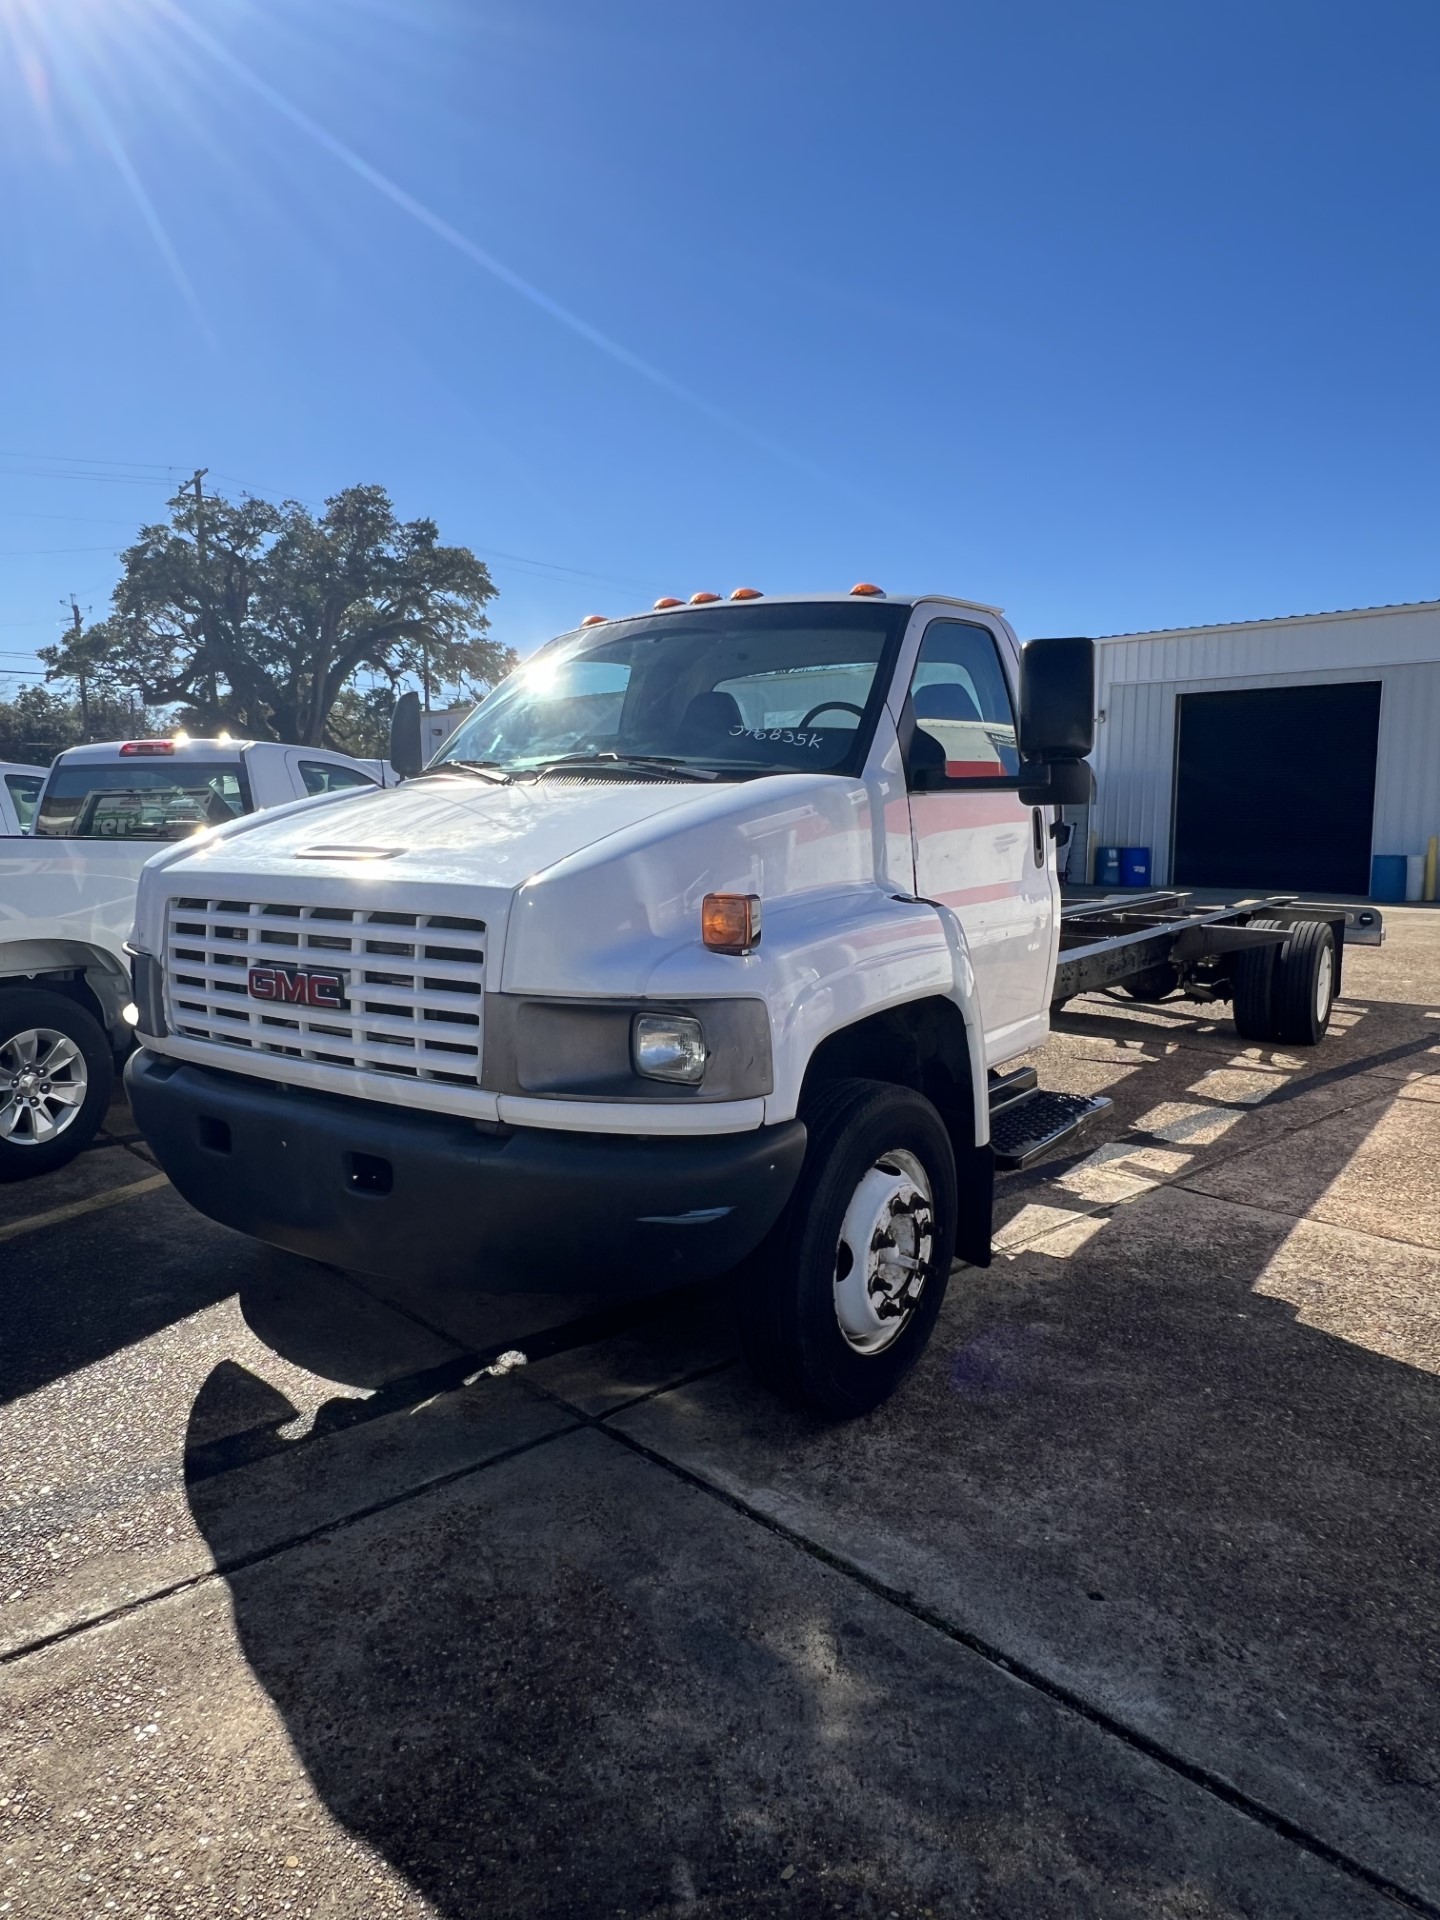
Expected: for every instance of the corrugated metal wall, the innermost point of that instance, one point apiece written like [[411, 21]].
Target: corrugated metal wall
[[1141, 679]]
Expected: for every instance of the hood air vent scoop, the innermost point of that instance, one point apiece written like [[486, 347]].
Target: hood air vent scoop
[[348, 853]]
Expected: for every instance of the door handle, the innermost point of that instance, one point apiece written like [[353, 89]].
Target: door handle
[[1037, 829]]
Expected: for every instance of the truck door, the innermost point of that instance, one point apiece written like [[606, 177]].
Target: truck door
[[978, 851]]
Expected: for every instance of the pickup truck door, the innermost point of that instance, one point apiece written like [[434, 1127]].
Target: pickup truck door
[[978, 851]]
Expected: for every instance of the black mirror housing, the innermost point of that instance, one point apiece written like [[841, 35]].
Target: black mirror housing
[[407, 748], [1057, 699], [1056, 783]]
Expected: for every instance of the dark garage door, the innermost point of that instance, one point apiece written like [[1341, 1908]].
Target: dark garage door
[[1276, 788]]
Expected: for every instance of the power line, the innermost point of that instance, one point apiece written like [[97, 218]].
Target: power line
[[79, 460], [73, 519], [31, 553], [96, 479]]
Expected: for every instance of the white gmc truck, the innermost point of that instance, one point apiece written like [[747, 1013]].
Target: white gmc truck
[[67, 903], [701, 947]]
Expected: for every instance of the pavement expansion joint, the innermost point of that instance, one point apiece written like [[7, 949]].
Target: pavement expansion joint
[[1215, 1784], [237, 1563]]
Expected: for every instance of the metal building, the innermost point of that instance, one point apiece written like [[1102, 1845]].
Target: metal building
[[1273, 753]]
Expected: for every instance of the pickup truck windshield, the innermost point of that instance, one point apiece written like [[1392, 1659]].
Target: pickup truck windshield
[[735, 690], [130, 800]]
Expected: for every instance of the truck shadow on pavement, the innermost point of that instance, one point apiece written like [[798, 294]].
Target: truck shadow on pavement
[[1172, 1461]]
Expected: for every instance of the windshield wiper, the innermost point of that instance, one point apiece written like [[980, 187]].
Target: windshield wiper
[[660, 765], [482, 770]]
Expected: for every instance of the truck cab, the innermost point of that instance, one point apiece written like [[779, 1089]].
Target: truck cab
[[700, 949]]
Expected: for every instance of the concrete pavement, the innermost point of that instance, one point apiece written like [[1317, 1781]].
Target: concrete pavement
[[1126, 1605]]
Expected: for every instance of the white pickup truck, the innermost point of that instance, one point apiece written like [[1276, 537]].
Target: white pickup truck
[[702, 947], [67, 903]]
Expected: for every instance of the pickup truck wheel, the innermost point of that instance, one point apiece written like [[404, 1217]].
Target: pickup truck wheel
[[1304, 989], [841, 1300], [56, 1077]]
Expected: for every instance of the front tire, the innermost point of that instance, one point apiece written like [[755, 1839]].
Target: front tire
[[56, 1078], [842, 1298]]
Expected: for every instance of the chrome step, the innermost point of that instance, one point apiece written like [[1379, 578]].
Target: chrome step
[[1023, 1129]]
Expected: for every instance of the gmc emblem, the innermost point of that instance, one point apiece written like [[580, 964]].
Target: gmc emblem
[[299, 987]]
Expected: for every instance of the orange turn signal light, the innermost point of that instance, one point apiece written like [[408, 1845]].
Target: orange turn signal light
[[747, 593], [666, 600], [868, 587], [593, 620], [730, 922], [702, 599]]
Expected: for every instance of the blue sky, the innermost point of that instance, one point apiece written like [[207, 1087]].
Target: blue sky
[[1120, 315]]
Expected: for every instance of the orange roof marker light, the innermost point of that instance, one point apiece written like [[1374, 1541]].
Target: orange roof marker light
[[747, 593], [730, 922], [666, 600], [702, 599], [594, 620], [869, 589]]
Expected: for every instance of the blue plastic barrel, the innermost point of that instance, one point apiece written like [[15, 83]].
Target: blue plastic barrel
[[1107, 866], [1387, 877], [1134, 866]]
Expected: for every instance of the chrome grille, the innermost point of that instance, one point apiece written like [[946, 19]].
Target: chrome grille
[[413, 982]]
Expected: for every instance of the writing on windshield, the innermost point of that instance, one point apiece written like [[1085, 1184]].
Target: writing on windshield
[[756, 690]]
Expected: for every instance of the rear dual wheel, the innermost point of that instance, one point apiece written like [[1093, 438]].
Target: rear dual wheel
[[840, 1301], [1283, 991]]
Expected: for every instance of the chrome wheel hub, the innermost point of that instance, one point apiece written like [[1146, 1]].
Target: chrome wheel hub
[[1324, 983], [42, 1086], [883, 1256]]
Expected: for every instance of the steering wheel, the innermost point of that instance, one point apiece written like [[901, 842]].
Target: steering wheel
[[825, 706]]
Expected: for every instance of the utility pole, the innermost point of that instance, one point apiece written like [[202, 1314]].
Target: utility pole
[[201, 554], [77, 627]]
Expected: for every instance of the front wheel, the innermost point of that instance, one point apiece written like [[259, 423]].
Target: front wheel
[[840, 1302], [56, 1077]]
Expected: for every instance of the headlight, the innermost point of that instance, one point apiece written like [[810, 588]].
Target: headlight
[[668, 1047]]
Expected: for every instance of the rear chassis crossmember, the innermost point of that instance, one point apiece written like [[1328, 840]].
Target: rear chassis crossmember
[[1105, 942]]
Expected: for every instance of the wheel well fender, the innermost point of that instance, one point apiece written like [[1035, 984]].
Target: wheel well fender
[[89, 976]]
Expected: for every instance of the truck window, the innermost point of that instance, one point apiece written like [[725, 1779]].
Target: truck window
[[322, 776], [24, 791], [963, 712], [736, 691], [166, 800]]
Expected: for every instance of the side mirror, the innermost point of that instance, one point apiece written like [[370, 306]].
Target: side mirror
[[1057, 699], [407, 752], [1057, 722], [1056, 783]]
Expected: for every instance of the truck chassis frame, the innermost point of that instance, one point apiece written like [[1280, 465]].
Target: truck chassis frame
[[1108, 942]]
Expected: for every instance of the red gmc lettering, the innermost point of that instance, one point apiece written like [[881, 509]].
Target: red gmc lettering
[[295, 988]]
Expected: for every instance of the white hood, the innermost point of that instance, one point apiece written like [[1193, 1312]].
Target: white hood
[[587, 886], [456, 828], [421, 841]]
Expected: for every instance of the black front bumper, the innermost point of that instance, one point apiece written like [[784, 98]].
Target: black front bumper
[[423, 1196]]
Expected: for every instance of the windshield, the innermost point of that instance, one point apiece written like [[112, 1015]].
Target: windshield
[[130, 800], [733, 690]]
